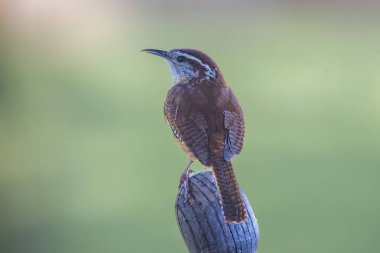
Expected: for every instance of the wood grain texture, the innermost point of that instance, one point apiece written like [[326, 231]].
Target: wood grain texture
[[202, 224]]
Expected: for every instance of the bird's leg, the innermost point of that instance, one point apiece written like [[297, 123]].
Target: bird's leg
[[184, 180]]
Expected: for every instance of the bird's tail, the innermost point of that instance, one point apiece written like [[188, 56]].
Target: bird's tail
[[232, 202]]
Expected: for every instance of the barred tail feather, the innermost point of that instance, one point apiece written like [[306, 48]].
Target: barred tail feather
[[232, 202]]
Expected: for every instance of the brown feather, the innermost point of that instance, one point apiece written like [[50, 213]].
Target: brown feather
[[208, 123]]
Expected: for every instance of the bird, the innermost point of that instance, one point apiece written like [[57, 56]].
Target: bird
[[207, 122]]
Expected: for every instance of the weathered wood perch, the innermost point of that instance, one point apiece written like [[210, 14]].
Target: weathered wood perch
[[202, 224]]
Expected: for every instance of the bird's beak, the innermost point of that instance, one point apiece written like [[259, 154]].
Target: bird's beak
[[158, 52]]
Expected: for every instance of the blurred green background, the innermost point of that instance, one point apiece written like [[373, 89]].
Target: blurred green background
[[87, 163]]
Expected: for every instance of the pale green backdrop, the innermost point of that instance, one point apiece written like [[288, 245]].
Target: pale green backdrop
[[87, 163]]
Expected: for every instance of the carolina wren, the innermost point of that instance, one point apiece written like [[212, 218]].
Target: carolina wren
[[207, 121]]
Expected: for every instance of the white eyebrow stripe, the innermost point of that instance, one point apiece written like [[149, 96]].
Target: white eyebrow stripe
[[210, 72]]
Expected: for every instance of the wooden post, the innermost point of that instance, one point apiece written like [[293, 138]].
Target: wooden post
[[200, 219]]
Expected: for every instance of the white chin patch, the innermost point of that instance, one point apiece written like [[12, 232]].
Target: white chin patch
[[183, 72]]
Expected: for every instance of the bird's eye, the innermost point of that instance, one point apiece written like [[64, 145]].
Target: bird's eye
[[180, 59]]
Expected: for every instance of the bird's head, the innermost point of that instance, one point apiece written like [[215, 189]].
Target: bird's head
[[189, 64]]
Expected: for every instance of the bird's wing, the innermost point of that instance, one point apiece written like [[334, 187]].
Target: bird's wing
[[235, 130], [188, 128]]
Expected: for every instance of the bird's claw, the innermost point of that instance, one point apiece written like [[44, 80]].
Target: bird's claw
[[185, 178], [184, 182]]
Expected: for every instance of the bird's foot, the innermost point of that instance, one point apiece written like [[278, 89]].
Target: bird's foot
[[184, 182]]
